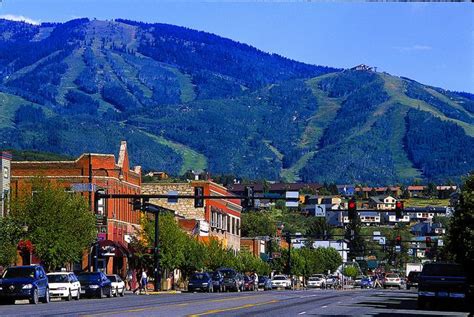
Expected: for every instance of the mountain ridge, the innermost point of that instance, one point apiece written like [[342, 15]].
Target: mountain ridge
[[190, 99]]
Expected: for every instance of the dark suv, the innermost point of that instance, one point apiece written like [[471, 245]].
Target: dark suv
[[24, 282], [95, 284], [412, 279]]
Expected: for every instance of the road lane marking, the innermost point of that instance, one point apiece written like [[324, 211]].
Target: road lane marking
[[215, 311], [302, 313], [324, 306]]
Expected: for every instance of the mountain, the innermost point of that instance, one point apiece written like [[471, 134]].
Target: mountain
[[185, 99]]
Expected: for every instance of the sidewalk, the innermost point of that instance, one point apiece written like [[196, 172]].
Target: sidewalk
[[151, 292]]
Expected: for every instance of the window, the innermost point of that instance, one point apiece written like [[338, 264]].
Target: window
[[237, 229], [228, 227], [5, 172], [233, 225]]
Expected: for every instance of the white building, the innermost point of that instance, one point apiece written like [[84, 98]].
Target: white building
[[5, 159]]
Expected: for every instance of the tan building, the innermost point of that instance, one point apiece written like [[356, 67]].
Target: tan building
[[222, 215]]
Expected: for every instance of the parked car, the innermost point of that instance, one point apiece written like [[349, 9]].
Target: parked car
[[443, 283], [331, 281], [265, 283], [24, 282], [232, 280], [200, 282], [118, 285], [249, 283], [64, 285], [95, 284], [217, 281], [316, 281], [392, 280], [412, 279], [357, 280], [281, 281], [366, 282]]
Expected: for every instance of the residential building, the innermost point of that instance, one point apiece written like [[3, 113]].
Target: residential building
[[416, 190], [369, 217], [382, 202], [391, 218], [116, 221], [5, 167], [222, 215]]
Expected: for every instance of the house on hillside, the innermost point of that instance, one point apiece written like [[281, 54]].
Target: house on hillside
[[391, 219], [416, 190], [382, 202], [369, 218]]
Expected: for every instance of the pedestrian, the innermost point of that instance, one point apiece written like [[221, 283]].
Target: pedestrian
[[255, 281], [144, 282], [128, 279]]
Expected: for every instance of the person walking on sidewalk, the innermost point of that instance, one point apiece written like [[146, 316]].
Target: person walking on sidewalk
[[144, 282]]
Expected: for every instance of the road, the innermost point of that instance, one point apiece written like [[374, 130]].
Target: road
[[269, 303]]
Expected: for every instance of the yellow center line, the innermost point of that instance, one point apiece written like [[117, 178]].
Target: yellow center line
[[166, 305], [215, 311]]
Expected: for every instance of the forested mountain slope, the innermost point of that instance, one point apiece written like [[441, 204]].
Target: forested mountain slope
[[189, 99]]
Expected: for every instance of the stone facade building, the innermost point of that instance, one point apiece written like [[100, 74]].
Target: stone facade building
[[222, 215]]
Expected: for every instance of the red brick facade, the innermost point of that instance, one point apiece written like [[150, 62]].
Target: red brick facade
[[116, 219]]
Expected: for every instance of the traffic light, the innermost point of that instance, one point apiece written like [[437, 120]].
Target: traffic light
[[399, 207], [288, 238], [248, 201], [428, 242], [398, 240], [198, 200], [352, 209], [137, 204]]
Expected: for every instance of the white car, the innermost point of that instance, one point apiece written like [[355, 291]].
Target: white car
[[64, 285], [392, 280], [281, 281], [118, 285], [316, 281]]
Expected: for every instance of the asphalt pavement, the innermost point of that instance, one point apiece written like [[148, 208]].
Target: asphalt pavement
[[269, 303]]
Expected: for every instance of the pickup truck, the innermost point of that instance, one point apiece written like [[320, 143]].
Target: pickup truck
[[442, 283]]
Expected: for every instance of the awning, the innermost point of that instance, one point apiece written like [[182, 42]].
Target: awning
[[113, 248]]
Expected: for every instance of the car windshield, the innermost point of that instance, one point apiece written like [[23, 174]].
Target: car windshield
[[17, 272], [279, 278], [88, 278], [314, 278], [443, 270], [112, 278], [57, 278], [199, 277]]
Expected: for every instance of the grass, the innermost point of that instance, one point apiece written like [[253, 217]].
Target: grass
[[292, 174], [132, 74], [423, 202], [396, 90], [75, 66], [185, 84], [192, 160], [9, 105], [275, 151]]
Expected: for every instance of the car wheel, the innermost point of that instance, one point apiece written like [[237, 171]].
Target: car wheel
[[116, 294], [35, 298], [109, 294], [122, 294], [69, 296], [78, 296], [101, 293], [46, 297]]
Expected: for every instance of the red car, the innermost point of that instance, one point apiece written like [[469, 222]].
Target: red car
[[249, 283]]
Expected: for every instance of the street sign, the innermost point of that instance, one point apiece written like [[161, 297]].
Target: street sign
[[83, 187], [320, 211], [398, 248], [440, 243], [174, 198], [382, 240], [295, 195]]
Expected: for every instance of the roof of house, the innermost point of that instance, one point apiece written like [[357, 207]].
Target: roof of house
[[416, 187]]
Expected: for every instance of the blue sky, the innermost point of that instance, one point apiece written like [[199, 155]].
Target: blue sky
[[432, 43]]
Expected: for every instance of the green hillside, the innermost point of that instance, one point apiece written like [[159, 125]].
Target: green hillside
[[185, 99]]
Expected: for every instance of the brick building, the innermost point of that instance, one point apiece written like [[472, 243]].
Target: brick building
[[223, 216], [116, 220]]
